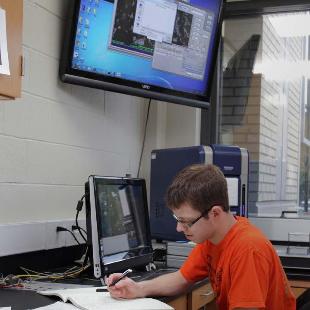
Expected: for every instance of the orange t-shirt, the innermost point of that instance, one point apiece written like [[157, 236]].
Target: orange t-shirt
[[244, 270]]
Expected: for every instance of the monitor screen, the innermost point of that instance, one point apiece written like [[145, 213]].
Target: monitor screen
[[162, 49], [118, 223]]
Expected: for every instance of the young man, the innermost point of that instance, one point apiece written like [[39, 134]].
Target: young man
[[241, 264]]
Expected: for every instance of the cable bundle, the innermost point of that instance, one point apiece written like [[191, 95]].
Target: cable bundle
[[31, 275]]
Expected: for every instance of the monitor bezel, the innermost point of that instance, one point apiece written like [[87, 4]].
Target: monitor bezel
[[84, 78], [101, 269]]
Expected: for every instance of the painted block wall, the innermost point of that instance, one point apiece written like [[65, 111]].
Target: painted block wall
[[56, 135]]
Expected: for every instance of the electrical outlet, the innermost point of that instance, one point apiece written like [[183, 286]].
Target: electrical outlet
[[70, 240], [54, 239]]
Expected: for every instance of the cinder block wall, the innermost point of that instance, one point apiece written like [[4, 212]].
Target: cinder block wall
[[56, 135]]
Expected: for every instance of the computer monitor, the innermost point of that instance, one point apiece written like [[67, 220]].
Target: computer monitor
[[161, 49], [117, 224]]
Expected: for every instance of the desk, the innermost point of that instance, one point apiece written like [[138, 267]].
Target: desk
[[22, 299], [299, 286], [198, 297]]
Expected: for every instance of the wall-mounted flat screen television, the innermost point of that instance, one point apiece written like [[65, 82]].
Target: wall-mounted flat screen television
[[161, 49]]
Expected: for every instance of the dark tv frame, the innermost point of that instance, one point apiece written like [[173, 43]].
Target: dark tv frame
[[93, 223], [89, 79]]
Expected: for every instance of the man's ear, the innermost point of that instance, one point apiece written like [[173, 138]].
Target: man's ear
[[216, 211]]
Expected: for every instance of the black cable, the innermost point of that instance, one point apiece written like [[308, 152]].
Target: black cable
[[144, 135], [86, 257], [74, 227], [79, 205], [59, 228], [78, 227], [78, 209]]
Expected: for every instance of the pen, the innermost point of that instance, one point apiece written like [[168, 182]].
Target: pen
[[101, 290], [124, 274]]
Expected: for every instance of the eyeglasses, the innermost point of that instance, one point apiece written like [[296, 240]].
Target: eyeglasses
[[189, 224]]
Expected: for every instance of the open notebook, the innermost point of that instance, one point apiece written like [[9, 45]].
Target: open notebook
[[89, 299]]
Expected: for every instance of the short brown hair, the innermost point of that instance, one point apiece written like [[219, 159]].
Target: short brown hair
[[201, 186]]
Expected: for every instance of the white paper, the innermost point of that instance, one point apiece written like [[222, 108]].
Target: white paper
[[232, 187], [44, 286], [57, 306], [4, 57], [89, 299], [5, 308], [94, 302]]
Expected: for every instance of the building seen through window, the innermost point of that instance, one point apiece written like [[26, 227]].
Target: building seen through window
[[265, 102]]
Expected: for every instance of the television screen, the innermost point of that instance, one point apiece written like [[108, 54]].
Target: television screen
[[162, 49], [117, 224]]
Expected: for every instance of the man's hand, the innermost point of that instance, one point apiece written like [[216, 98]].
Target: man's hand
[[125, 288], [170, 284]]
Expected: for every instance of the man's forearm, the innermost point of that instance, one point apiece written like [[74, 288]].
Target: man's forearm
[[166, 285]]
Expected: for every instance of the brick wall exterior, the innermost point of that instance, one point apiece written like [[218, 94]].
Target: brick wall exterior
[[262, 114]]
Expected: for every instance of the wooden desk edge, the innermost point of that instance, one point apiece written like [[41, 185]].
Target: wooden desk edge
[[167, 299], [299, 283]]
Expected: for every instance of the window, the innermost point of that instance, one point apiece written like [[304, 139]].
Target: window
[[264, 106]]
